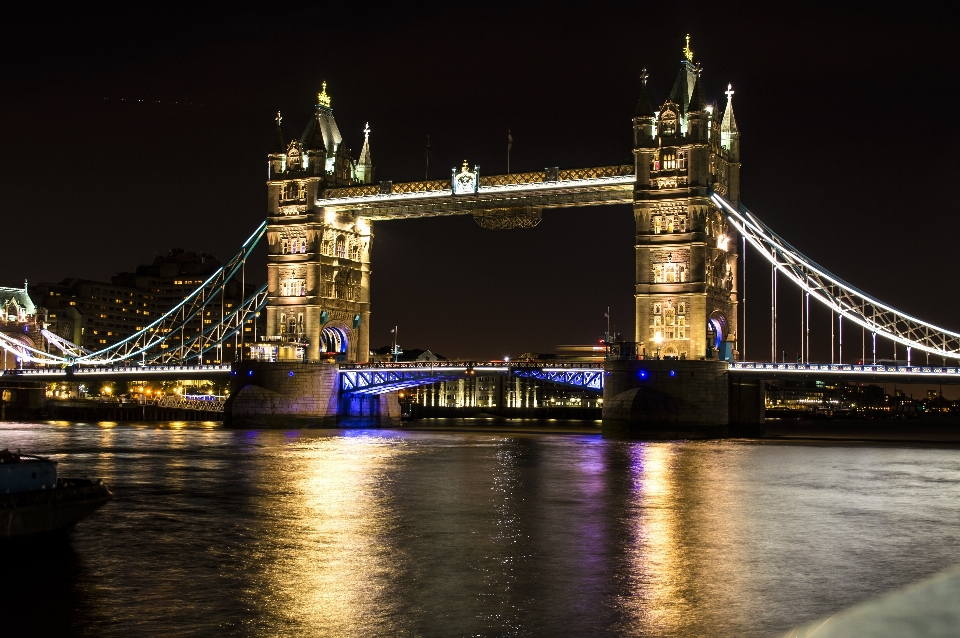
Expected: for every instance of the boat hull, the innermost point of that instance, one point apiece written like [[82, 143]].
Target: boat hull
[[36, 512]]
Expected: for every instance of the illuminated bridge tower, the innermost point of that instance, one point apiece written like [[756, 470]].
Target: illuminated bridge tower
[[686, 292], [318, 264]]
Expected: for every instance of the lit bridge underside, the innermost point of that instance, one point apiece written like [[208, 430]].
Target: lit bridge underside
[[363, 379]]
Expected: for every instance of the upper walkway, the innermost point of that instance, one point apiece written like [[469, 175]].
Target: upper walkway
[[550, 188]]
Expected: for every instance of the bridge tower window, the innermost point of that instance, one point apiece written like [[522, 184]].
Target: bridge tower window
[[340, 247], [282, 325], [669, 161], [682, 160]]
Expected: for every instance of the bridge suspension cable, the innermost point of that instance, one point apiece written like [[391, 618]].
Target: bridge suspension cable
[[841, 297], [180, 315], [214, 335], [147, 342]]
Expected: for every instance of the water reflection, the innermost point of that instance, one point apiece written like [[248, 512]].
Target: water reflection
[[333, 564], [247, 533]]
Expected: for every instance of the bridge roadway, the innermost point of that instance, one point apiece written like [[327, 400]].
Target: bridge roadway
[[380, 378]]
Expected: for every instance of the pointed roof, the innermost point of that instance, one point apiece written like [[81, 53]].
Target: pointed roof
[[322, 132], [729, 123], [365, 159], [644, 108], [697, 103]]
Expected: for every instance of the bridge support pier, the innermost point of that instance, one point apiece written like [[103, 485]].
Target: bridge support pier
[[673, 399], [282, 395], [301, 395]]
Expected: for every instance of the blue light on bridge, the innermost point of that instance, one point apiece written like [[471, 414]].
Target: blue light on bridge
[[673, 373], [290, 374], [643, 374]]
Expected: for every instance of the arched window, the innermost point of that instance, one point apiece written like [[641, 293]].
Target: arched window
[[283, 323], [682, 160], [303, 245], [669, 160], [658, 274], [340, 247], [284, 246]]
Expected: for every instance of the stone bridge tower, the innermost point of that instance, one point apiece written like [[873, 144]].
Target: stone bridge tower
[[686, 292], [318, 264]]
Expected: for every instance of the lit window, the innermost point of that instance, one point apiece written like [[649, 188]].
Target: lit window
[[669, 161]]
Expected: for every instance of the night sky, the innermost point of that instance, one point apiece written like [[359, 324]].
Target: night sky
[[848, 147]]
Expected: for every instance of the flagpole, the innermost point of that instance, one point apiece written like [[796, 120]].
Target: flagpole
[[426, 174], [509, 146]]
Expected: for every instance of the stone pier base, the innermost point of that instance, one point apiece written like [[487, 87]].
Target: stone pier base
[[301, 395], [282, 395], [666, 399]]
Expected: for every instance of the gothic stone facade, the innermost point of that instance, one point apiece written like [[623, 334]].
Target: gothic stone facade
[[686, 290], [318, 264]]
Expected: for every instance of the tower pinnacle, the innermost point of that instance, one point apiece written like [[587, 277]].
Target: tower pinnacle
[[322, 98], [687, 51]]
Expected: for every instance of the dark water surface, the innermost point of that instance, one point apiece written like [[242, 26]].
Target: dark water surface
[[390, 533]]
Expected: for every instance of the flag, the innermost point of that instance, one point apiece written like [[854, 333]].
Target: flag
[[509, 140]]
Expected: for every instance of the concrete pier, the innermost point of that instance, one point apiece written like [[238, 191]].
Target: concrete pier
[[671, 399], [297, 395]]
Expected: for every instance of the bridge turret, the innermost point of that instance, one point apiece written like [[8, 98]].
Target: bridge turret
[[730, 148], [644, 133], [364, 166]]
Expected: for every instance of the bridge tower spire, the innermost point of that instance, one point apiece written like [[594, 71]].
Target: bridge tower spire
[[686, 276]]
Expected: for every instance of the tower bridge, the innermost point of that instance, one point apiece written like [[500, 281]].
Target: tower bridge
[[692, 233]]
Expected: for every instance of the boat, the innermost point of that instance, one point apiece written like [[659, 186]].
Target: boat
[[34, 500]]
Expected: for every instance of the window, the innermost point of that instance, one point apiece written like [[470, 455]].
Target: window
[[682, 160], [669, 161], [657, 224], [681, 307], [283, 323], [670, 276], [293, 287], [340, 248], [656, 308]]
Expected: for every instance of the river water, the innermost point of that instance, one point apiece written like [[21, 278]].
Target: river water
[[399, 533]]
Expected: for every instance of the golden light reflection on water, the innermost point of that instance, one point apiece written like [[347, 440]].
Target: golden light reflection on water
[[334, 567], [656, 604]]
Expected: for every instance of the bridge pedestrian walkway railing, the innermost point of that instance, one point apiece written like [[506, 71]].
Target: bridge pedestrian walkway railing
[[846, 368], [120, 371]]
